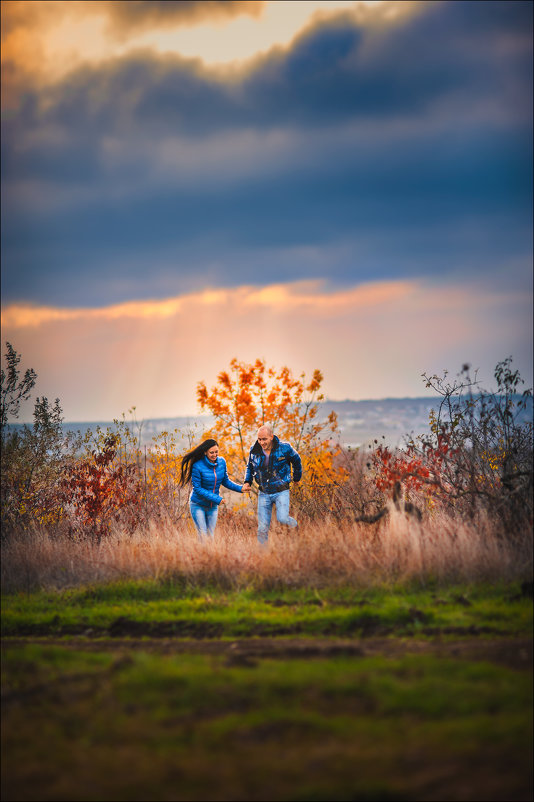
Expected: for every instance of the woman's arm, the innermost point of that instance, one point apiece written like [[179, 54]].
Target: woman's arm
[[227, 482]]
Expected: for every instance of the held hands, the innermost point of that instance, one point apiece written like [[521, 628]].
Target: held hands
[[245, 488]]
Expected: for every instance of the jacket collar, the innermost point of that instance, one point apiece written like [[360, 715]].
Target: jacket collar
[[209, 462]]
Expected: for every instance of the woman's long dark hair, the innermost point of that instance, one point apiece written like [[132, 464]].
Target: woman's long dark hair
[[189, 459]]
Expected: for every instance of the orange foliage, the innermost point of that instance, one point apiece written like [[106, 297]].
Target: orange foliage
[[163, 475], [250, 395]]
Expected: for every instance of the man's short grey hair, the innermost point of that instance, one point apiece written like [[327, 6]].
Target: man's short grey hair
[[268, 427]]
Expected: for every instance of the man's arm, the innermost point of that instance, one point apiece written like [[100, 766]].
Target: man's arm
[[296, 462], [249, 474]]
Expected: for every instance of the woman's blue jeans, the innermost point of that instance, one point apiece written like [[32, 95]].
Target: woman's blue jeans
[[266, 501], [204, 518]]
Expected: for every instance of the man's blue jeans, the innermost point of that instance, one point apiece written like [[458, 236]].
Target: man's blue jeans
[[205, 519], [265, 508]]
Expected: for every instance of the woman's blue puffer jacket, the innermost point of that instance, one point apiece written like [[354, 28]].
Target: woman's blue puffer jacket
[[206, 478]]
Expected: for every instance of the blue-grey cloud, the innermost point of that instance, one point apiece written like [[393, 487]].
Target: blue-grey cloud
[[468, 52], [400, 152]]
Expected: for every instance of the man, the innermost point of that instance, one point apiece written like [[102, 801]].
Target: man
[[269, 463]]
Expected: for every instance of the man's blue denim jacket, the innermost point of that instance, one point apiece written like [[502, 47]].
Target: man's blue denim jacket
[[276, 475]]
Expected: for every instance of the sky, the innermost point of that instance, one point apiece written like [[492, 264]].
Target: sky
[[336, 185]]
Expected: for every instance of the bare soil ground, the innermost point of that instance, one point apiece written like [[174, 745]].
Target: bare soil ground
[[516, 653]]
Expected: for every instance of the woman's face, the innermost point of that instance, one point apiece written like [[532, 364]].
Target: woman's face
[[212, 453]]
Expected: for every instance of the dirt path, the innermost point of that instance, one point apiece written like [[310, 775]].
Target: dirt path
[[515, 653]]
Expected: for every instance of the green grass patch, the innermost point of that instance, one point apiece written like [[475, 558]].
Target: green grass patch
[[165, 608], [188, 727]]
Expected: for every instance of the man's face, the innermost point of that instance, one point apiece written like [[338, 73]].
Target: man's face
[[265, 438]]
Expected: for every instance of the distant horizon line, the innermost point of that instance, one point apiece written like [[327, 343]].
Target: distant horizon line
[[207, 415]]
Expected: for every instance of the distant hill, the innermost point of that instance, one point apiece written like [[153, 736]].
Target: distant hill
[[388, 420], [359, 421]]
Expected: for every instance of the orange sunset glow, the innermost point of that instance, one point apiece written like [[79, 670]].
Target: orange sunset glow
[[333, 185]]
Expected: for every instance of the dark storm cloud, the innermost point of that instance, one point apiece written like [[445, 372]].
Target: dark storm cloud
[[134, 15], [127, 16], [431, 173], [332, 74]]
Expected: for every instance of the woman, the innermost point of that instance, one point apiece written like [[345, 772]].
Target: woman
[[206, 471]]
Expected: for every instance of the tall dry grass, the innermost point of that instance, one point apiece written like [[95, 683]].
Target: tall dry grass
[[400, 549]]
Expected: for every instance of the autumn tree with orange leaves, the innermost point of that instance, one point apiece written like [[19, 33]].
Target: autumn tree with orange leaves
[[247, 396]]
